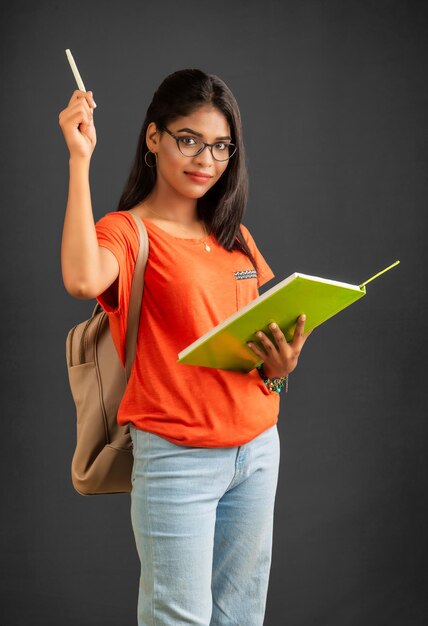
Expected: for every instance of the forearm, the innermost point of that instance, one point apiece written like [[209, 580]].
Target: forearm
[[79, 246]]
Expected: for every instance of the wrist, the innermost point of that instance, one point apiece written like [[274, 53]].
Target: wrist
[[273, 374], [274, 383], [78, 161]]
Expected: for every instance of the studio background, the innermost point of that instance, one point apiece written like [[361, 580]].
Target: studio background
[[333, 97]]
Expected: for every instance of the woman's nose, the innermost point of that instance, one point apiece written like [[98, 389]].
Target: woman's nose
[[205, 156]]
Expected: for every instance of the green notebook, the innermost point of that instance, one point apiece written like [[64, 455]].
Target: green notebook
[[224, 346]]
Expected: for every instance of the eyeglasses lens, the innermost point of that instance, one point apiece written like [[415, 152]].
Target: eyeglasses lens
[[221, 150]]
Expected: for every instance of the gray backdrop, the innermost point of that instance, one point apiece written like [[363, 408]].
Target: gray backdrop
[[333, 96]]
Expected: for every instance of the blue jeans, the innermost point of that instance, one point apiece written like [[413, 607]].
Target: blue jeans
[[203, 523]]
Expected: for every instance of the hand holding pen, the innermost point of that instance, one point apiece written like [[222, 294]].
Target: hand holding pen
[[77, 119]]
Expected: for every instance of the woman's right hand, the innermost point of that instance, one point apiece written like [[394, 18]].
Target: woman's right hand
[[77, 124]]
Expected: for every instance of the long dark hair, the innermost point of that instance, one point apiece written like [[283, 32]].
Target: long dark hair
[[224, 204]]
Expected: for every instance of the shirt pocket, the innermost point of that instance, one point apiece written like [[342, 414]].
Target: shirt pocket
[[246, 287]]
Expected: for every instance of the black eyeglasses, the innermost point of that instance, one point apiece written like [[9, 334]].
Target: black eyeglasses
[[221, 150]]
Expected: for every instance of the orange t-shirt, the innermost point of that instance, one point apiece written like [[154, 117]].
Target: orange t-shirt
[[187, 291]]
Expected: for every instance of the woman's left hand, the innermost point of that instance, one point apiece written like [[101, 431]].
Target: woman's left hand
[[280, 361]]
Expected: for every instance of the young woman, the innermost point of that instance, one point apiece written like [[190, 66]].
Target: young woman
[[205, 441]]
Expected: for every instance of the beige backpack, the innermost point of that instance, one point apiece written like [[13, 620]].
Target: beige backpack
[[103, 459]]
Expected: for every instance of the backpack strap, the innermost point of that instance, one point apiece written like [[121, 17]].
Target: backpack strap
[[136, 296]]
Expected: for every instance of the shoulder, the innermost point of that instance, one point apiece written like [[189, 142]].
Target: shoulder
[[119, 224], [122, 220], [118, 231], [247, 236]]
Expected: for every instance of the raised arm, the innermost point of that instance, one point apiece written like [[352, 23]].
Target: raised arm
[[87, 268]]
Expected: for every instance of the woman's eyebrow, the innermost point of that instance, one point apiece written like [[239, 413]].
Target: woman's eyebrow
[[189, 130]]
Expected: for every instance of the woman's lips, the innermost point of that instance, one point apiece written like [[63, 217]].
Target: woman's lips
[[198, 178]]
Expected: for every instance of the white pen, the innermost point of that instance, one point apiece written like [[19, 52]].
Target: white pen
[[75, 71]]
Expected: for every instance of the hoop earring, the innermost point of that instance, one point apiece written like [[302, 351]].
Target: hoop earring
[[156, 158]]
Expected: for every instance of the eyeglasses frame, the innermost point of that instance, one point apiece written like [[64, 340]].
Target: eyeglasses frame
[[210, 145]]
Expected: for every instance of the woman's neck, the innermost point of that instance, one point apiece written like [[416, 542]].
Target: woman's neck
[[172, 208]]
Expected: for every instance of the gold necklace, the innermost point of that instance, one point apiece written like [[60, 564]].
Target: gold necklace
[[207, 247]]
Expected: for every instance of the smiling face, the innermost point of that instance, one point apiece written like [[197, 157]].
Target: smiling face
[[206, 123]]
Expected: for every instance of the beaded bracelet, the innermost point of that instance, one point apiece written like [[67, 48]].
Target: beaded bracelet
[[275, 383]]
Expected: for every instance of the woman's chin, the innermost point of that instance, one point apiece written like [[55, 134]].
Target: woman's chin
[[194, 193]]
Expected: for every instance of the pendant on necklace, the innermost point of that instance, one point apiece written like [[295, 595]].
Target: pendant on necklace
[[207, 248]]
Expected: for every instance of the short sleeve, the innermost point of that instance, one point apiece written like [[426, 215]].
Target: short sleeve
[[118, 232], [265, 272]]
